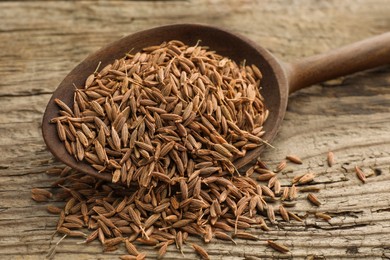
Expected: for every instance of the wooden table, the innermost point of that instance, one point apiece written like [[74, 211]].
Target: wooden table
[[41, 41]]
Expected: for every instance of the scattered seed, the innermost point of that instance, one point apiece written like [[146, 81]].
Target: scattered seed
[[323, 216], [360, 174], [313, 199], [330, 159], [278, 247], [200, 251], [281, 166], [294, 159]]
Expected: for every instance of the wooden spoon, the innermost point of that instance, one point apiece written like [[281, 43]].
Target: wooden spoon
[[279, 79]]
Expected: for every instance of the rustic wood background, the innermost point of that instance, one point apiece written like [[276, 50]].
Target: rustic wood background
[[41, 41]]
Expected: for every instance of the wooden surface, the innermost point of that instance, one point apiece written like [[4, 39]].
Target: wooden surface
[[40, 42]]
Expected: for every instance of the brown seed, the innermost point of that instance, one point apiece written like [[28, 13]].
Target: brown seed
[[182, 223], [97, 107], [69, 205], [245, 235], [113, 241], [308, 177], [61, 131], [360, 174], [128, 257], [115, 139], [271, 213], [64, 106], [265, 176], [101, 153], [39, 197], [313, 199], [131, 249], [323, 216], [293, 192], [163, 250], [294, 216], [294, 159], [278, 247], [284, 213], [43, 192], [53, 209], [281, 166], [224, 236], [330, 159], [222, 150], [309, 189], [151, 220], [200, 251], [141, 256], [92, 236]]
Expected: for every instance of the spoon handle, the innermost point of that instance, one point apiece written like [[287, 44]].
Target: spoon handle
[[362, 55]]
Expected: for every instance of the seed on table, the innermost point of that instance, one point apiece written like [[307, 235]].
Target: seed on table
[[308, 177], [281, 166], [39, 197], [245, 235], [163, 250], [42, 192], [53, 209], [92, 236], [313, 199], [284, 213], [294, 159], [128, 257], [295, 216], [323, 216], [293, 192], [360, 174], [330, 159], [278, 247], [200, 251]]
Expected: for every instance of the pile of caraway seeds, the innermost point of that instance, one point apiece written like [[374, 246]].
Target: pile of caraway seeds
[[167, 123]]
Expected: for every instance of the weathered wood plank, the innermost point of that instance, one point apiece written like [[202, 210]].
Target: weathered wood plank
[[42, 41]]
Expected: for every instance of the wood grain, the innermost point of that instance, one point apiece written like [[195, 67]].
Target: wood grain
[[42, 41]]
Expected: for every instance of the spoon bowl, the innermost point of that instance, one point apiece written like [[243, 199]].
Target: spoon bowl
[[279, 79]]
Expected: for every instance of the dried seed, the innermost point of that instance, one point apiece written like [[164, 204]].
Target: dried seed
[[278, 247], [323, 216], [163, 250], [245, 235], [182, 223], [294, 159], [284, 213], [53, 209], [113, 241], [224, 236], [313, 199], [39, 197], [200, 251], [308, 177], [281, 166], [64, 106], [330, 159], [92, 236], [360, 174], [293, 192], [43, 192], [131, 249]]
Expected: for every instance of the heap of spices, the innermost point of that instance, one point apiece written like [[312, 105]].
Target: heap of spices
[[168, 122], [215, 207], [157, 114]]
